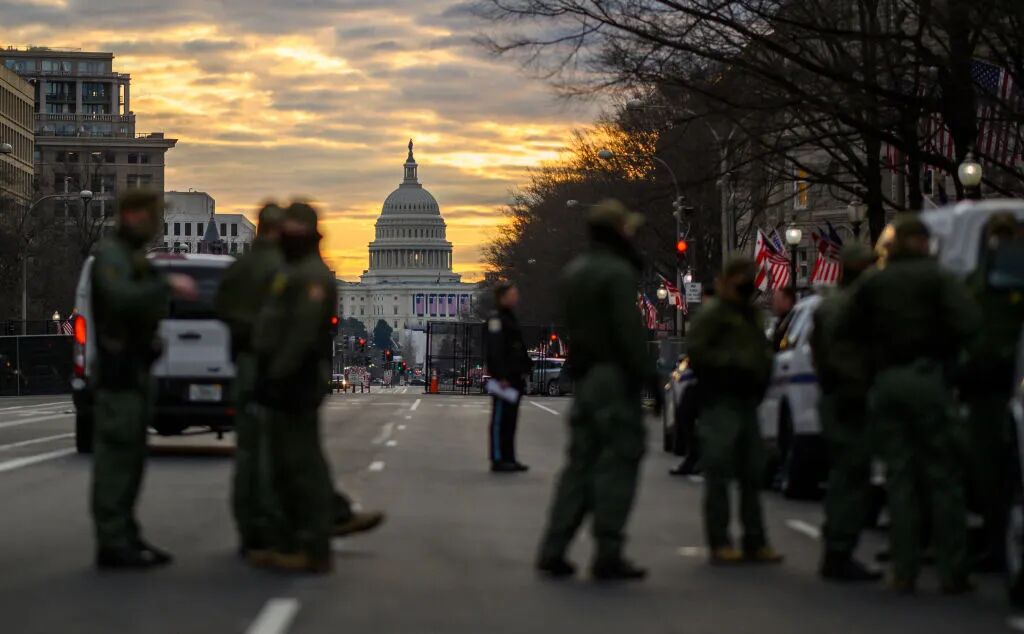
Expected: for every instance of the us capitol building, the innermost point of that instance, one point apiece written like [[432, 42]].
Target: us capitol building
[[410, 280]]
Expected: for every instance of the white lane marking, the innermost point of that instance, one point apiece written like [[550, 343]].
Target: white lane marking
[[1016, 623], [275, 617], [804, 528], [545, 408], [408, 418], [35, 441], [401, 428], [35, 406], [692, 551], [391, 443], [377, 465], [385, 433], [29, 421], [415, 405], [18, 463]]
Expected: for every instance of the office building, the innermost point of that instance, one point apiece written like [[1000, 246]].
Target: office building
[[16, 124], [186, 219]]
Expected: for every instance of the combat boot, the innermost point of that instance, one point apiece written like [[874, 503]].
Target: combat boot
[[299, 562], [556, 568], [138, 557], [725, 555], [837, 566], [358, 523], [763, 555], [617, 570]]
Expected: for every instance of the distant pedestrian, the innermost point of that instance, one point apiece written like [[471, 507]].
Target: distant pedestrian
[[129, 299], [841, 366], [611, 369], [509, 364], [687, 412], [914, 319], [732, 362], [987, 383]]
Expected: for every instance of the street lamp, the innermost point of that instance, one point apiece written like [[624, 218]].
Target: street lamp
[[793, 238], [6, 148], [856, 212], [688, 278], [662, 293], [970, 174]]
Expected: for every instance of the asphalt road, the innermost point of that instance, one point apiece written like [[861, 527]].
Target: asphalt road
[[455, 555]]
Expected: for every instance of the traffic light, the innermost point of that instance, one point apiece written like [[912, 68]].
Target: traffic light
[[681, 247], [554, 337], [387, 356], [334, 325], [362, 344]]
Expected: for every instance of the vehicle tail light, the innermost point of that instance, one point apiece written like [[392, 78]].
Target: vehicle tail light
[[78, 356]]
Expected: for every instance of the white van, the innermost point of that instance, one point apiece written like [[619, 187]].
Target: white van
[[193, 375], [789, 412]]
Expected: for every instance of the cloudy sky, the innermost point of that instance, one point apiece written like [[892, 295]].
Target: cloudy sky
[[319, 98]]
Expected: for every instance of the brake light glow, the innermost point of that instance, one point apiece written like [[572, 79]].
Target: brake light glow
[[79, 328]]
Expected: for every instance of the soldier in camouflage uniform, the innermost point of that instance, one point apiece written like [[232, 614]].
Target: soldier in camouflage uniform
[[913, 320], [610, 366], [843, 378], [240, 297], [732, 361], [129, 298]]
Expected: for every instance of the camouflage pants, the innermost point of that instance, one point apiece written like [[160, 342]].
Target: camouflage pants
[[607, 440], [922, 443], [122, 419]]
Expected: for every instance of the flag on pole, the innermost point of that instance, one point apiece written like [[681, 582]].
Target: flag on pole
[[772, 265], [67, 327], [675, 296], [828, 265], [648, 311]]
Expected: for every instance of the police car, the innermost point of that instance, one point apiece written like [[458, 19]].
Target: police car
[[193, 374]]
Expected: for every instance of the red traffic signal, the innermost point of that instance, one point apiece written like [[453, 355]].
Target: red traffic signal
[[554, 337], [681, 247], [334, 320]]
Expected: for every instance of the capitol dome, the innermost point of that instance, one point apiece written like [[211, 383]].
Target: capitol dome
[[410, 237]]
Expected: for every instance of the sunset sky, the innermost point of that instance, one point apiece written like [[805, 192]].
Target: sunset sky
[[319, 98]]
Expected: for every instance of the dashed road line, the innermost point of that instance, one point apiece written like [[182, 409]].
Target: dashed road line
[[693, 552], [408, 418], [377, 465], [415, 405], [18, 463], [385, 433], [35, 406], [401, 428], [275, 617], [545, 408], [29, 421], [35, 441], [391, 443], [804, 528]]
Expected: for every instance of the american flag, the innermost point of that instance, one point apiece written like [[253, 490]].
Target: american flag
[[648, 311], [67, 327], [827, 266], [675, 296], [998, 100], [772, 265]]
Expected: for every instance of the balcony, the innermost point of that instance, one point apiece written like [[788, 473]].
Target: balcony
[[43, 119]]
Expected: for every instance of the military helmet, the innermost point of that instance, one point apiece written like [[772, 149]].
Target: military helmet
[[909, 225], [612, 213], [302, 213], [141, 199], [271, 216]]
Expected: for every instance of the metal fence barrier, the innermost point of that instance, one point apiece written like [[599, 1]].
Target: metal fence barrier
[[35, 365]]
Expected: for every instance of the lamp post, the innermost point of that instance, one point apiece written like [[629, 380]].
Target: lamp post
[[794, 235], [55, 317], [856, 212], [6, 148], [677, 205], [86, 196], [662, 295], [970, 174]]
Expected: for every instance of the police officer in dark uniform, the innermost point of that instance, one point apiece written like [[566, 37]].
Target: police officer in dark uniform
[[508, 363], [129, 298]]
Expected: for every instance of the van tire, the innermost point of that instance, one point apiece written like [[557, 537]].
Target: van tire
[[84, 427], [553, 388], [169, 426]]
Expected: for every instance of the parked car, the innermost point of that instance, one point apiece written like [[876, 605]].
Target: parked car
[[788, 415], [544, 378], [194, 372]]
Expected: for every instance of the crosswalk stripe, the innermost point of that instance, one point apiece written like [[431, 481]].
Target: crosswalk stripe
[[18, 463], [275, 617], [29, 421], [35, 441]]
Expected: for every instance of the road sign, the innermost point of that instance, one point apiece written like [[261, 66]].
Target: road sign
[[387, 377], [694, 291]]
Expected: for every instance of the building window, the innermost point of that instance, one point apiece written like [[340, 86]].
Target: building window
[[90, 67], [223, 229], [94, 90], [234, 230], [801, 190], [133, 157], [188, 228], [177, 231], [199, 229], [234, 247], [136, 181], [396, 310], [165, 230]]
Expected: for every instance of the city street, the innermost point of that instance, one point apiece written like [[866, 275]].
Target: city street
[[455, 555]]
